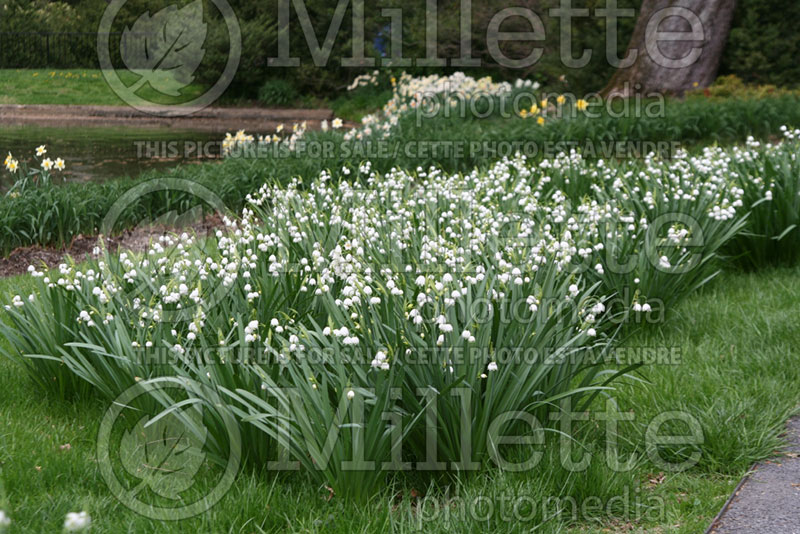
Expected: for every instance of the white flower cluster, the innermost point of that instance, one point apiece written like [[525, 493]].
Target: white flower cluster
[[413, 249], [364, 80], [410, 92]]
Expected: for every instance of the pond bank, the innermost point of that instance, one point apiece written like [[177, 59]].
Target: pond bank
[[206, 120]]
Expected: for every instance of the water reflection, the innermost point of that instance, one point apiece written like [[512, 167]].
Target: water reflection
[[102, 153]]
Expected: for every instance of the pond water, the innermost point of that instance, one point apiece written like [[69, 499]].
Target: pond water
[[102, 153]]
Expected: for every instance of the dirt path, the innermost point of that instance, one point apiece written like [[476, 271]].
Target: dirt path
[[209, 119]]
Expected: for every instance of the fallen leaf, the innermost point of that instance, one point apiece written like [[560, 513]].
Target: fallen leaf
[[655, 480]]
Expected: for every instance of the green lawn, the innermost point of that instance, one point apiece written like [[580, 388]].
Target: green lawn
[[88, 87], [85, 87], [738, 351]]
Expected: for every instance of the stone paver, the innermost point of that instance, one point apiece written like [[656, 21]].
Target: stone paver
[[769, 500]]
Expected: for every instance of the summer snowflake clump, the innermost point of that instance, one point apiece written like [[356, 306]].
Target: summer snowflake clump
[[401, 281], [444, 258], [379, 362]]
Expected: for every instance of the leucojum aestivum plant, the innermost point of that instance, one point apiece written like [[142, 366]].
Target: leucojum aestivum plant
[[336, 319]]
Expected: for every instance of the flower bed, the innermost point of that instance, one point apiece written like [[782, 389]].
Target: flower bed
[[361, 304]]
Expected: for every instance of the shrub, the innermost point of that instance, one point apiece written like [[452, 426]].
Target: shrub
[[277, 93], [763, 45], [731, 86]]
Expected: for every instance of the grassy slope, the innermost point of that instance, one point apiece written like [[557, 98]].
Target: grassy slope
[[87, 87], [737, 376], [72, 87]]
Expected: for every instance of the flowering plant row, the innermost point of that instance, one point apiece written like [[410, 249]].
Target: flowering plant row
[[421, 95], [364, 304]]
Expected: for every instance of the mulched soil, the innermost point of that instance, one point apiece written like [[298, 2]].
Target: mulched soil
[[81, 247]]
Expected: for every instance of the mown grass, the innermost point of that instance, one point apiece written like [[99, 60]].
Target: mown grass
[[738, 352], [353, 106], [88, 87], [85, 87]]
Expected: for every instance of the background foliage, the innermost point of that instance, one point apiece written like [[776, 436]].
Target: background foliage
[[764, 43], [762, 47]]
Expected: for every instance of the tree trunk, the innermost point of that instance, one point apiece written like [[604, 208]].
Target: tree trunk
[[650, 72]]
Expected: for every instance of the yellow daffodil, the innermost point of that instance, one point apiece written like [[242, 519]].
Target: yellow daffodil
[[543, 103], [47, 164], [523, 113], [540, 121], [581, 105], [40, 150], [534, 109], [561, 99], [8, 158], [59, 164]]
